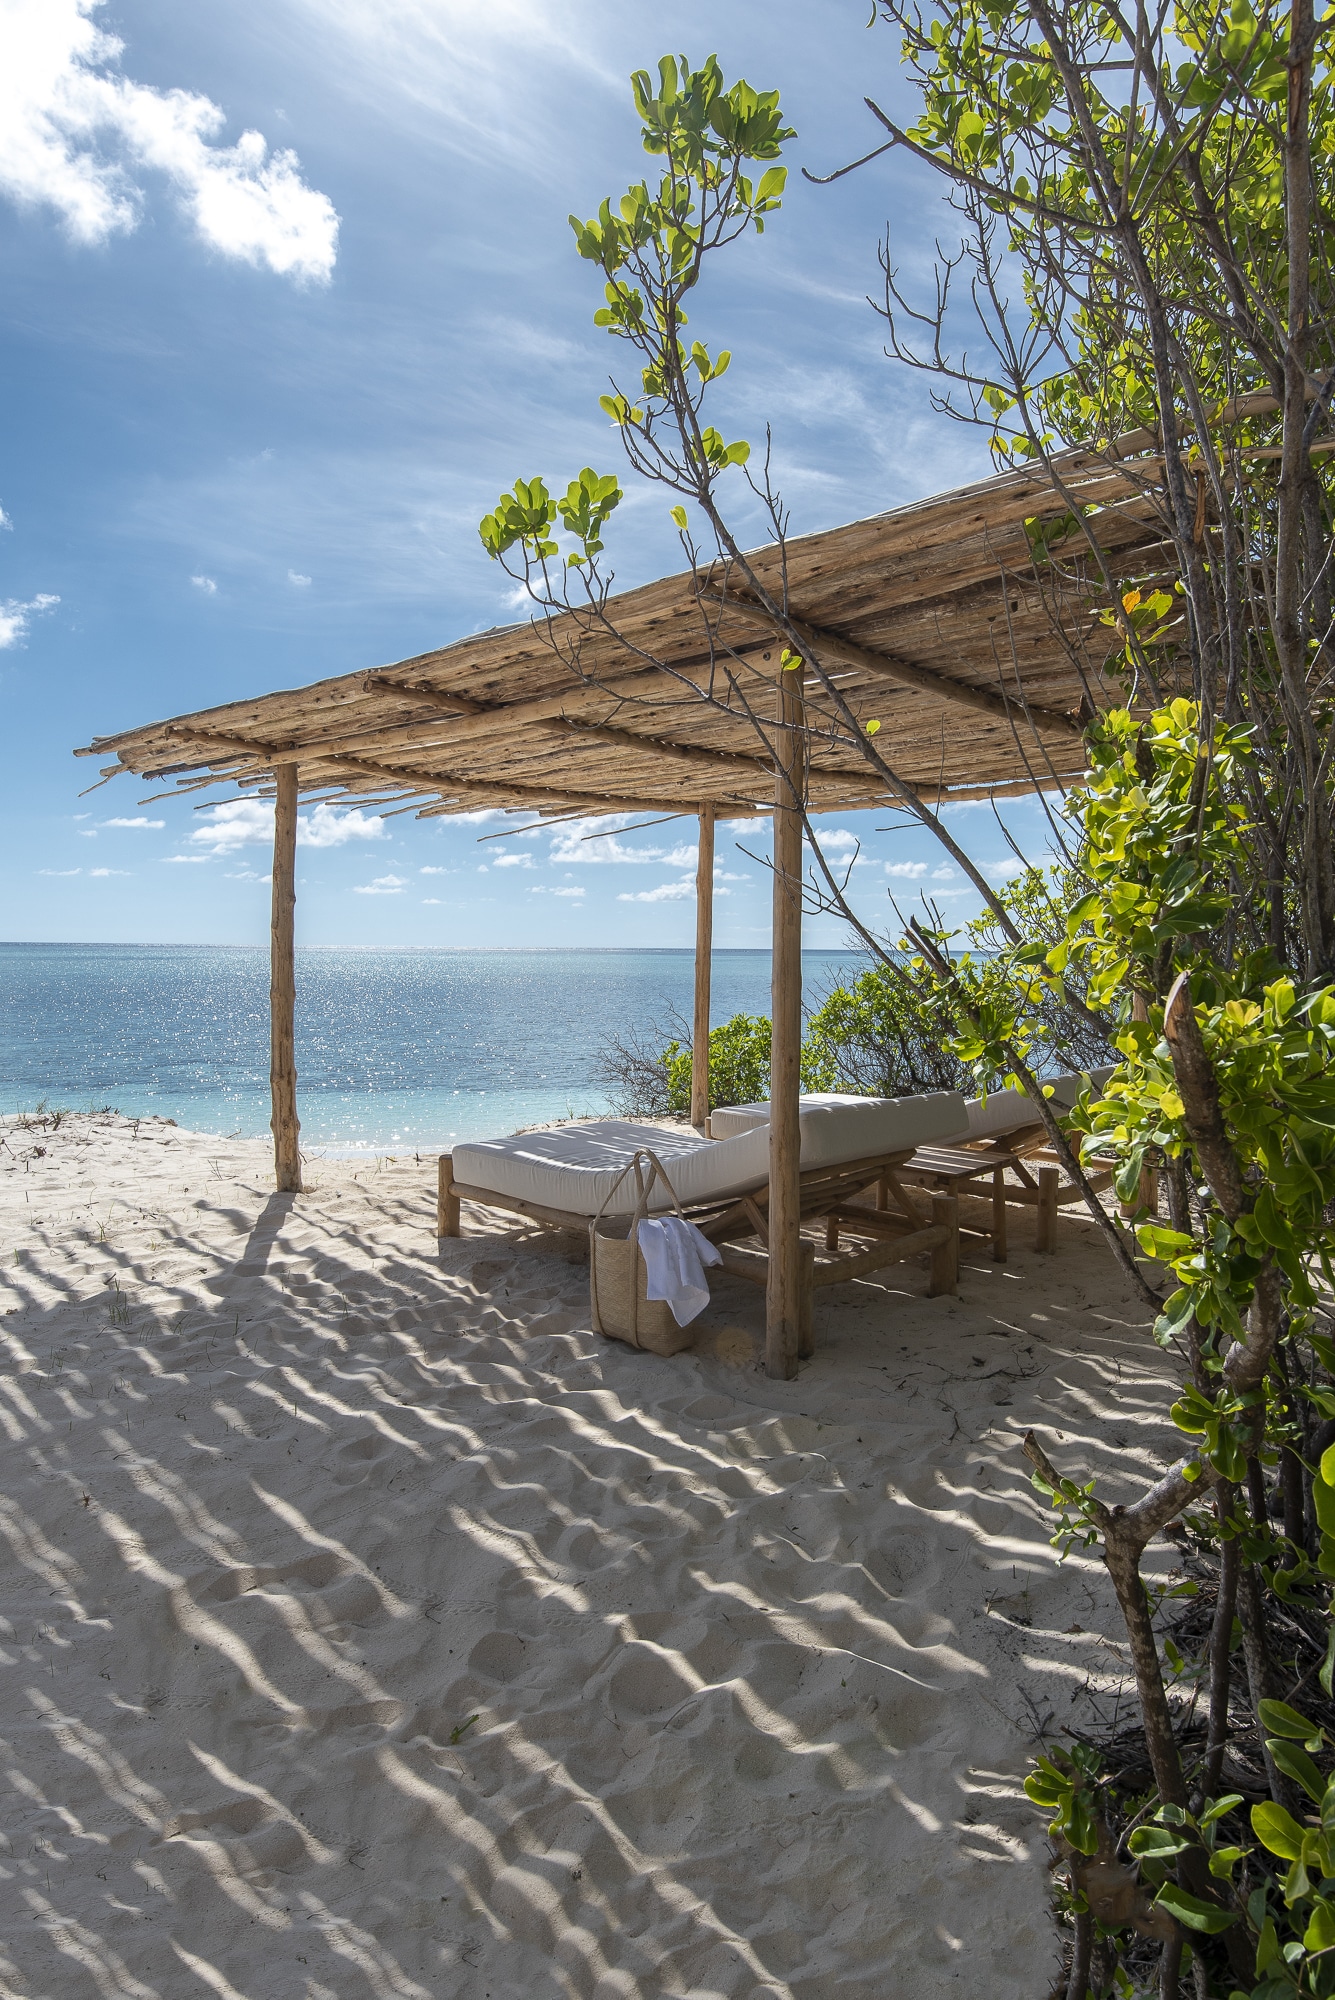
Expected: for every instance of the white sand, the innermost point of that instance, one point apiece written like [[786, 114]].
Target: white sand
[[755, 1666]]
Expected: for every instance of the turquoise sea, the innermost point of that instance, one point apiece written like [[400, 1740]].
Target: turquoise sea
[[395, 1049]]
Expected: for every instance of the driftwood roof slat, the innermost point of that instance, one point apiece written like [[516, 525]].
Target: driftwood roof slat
[[930, 618]]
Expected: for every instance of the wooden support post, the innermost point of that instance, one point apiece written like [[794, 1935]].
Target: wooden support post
[[704, 947], [1048, 1181], [999, 1216], [806, 1319], [283, 986], [447, 1202], [783, 1291], [945, 1275]]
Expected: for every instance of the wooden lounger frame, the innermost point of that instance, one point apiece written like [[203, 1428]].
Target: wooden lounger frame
[[1048, 1193], [828, 1194]]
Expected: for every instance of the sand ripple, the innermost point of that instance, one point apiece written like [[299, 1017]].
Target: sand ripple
[[370, 1627]]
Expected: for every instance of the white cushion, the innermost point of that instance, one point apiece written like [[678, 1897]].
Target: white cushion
[[890, 1122], [573, 1167], [732, 1119], [1003, 1111]]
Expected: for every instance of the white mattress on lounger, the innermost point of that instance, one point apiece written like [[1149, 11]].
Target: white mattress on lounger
[[985, 1117], [573, 1167], [1003, 1111]]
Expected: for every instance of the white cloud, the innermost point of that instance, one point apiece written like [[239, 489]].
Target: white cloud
[[235, 823], [88, 833], [945, 873], [206, 584], [246, 875], [428, 900], [60, 871], [437, 871], [327, 828], [187, 857], [383, 885], [74, 131], [906, 871], [295, 576], [666, 892], [569, 844], [108, 871], [5, 521], [838, 840], [541, 889], [1005, 871], [16, 615], [157, 824], [513, 861], [249, 822]]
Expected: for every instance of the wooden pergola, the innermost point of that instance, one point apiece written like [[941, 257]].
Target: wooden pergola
[[931, 619]]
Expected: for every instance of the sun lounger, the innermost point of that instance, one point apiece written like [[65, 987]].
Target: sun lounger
[[998, 1135], [561, 1178]]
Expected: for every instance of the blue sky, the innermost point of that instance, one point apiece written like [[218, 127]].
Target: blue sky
[[259, 389]]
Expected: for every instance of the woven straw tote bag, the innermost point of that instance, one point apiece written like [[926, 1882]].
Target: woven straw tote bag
[[617, 1275]]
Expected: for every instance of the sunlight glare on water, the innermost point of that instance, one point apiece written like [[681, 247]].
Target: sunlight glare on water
[[395, 1049]]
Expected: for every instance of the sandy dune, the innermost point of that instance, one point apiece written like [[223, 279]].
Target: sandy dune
[[372, 1628]]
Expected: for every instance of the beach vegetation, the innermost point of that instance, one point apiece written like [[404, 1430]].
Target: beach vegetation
[[1145, 276]]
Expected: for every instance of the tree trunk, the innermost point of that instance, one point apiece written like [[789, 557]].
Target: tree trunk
[[1221, 1640]]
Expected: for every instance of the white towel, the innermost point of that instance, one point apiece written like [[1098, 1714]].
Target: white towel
[[675, 1255]]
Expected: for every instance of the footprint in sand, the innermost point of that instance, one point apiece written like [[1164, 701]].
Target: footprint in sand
[[355, 1461], [334, 1595], [315, 1572], [256, 1840]]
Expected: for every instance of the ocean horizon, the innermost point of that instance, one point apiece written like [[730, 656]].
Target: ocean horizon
[[414, 1047]]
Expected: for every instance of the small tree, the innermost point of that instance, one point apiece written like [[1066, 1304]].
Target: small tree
[[1154, 190]]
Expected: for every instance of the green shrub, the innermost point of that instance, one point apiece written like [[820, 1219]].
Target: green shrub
[[738, 1064]]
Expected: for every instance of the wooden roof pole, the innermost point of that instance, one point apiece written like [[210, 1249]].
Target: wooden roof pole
[[885, 667], [482, 721], [789, 1283], [704, 949], [549, 710], [440, 782], [283, 986]]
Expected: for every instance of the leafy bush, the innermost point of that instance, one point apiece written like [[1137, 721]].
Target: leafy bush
[[738, 1064], [874, 1039]]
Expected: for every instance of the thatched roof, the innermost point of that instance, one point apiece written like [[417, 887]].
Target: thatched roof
[[922, 614]]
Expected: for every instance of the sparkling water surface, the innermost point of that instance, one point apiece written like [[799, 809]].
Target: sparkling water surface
[[395, 1049]]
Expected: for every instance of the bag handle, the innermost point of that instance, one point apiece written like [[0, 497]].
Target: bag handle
[[643, 1186]]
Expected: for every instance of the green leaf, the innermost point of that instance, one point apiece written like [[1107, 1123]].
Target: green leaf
[[1163, 1244], [1282, 1720], [1323, 1497], [1219, 1807], [1157, 1843], [1296, 1764], [1278, 1830], [1194, 1911], [1320, 1932], [679, 517], [1328, 1664]]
